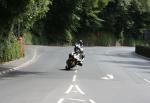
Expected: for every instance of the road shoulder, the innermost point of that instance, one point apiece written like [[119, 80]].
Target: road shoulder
[[30, 56]]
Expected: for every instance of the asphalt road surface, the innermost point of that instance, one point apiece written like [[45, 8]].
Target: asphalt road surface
[[109, 75]]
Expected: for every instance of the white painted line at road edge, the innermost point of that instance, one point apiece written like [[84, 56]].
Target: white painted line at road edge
[[69, 89], [28, 62], [92, 101], [146, 80], [60, 100], [77, 87], [74, 78], [22, 65]]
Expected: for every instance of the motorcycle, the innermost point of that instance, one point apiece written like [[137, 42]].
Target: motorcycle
[[73, 60]]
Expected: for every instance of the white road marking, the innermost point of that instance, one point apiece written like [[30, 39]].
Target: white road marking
[[69, 89], [108, 77], [76, 99], [28, 62], [147, 80], [74, 78], [77, 87], [76, 71], [92, 101], [61, 100]]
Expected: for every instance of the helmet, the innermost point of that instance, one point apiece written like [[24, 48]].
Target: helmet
[[81, 42]]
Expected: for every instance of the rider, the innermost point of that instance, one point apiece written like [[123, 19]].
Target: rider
[[79, 48]]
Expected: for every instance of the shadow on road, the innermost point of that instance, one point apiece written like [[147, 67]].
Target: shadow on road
[[22, 73], [128, 60], [123, 55], [134, 63], [67, 70]]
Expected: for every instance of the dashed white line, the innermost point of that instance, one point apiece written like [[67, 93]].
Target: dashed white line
[[61, 100], [74, 78], [77, 87], [92, 101], [69, 89], [148, 81], [76, 71]]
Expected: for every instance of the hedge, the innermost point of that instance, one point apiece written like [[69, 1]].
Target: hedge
[[143, 50]]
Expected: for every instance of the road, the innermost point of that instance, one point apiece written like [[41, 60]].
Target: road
[[109, 75]]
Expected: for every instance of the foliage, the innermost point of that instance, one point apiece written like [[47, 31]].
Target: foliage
[[62, 19], [10, 49], [106, 39], [17, 16], [90, 21], [68, 20], [36, 9], [10, 10], [122, 18]]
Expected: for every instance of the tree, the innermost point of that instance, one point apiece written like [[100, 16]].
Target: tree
[[62, 20], [17, 15], [90, 20], [10, 10], [35, 10], [115, 17], [135, 12]]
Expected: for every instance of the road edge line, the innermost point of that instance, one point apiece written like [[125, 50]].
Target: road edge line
[[22, 65]]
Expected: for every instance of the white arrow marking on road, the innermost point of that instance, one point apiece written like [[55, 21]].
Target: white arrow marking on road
[[61, 100], [74, 78], [92, 101], [108, 77], [147, 80], [69, 89]]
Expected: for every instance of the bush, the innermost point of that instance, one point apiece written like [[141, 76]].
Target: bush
[[102, 39], [31, 38], [68, 36], [128, 42], [89, 39], [143, 50], [27, 38], [107, 39], [10, 49]]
